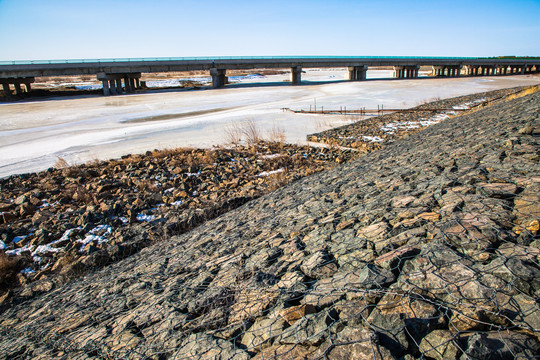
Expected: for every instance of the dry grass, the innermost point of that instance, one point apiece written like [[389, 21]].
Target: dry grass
[[61, 163], [233, 133], [322, 124], [277, 134], [252, 133]]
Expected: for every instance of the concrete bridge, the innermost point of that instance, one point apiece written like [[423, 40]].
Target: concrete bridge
[[122, 75]]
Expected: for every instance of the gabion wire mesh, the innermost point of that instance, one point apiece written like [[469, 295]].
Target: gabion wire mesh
[[426, 249]]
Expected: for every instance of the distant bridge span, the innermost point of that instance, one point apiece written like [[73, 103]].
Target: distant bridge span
[[122, 75]]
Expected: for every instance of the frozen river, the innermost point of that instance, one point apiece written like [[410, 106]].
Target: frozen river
[[33, 135]]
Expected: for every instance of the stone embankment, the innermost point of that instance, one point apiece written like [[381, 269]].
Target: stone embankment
[[427, 248], [58, 224]]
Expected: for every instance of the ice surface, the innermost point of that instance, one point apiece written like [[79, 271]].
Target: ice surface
[[33, 135]]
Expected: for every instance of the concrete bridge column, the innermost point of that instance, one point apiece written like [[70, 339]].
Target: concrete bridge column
[[357, 73], [18, 89], [415, 69], [17, 82], [127, 85], [106, 90], [6, 88], [218, 77], [112, 85], [118, 83], [296, 75]]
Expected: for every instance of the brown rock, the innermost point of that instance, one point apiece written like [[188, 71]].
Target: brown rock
[[357, 343], [251, 303], [294, 313], [373, 232], [430, 216]]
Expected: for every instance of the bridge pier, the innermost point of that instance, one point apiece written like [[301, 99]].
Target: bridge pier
[[112, 83], [219, 79], [357, 73], [296, 75], [16, 82], [406, 72]]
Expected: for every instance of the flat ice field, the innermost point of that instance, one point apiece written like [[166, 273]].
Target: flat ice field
[[33, 135]]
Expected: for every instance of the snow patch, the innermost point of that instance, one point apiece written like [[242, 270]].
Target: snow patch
[[271, 156], [143, 217], [268, 173], [372, 138], [19, 251]]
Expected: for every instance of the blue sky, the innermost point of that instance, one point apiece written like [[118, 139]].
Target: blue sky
[[72, 29]]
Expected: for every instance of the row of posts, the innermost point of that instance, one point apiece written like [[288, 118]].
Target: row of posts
[[112, 83], [484, 70], [406, 72], [17, 84]]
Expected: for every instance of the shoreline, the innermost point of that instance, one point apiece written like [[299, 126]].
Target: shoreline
[[36, 134]]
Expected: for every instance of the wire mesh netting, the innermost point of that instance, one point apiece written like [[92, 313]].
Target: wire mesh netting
[[428, 249]]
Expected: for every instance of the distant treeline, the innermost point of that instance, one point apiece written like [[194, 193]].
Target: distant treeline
[[513, 57]]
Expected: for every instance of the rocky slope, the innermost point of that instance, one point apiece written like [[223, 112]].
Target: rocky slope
[[57, 224], [427, 248]]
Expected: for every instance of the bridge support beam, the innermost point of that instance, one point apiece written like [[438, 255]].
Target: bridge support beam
[[296, 75], [16, 82], [357, 73], [112, 83], [219, 79]]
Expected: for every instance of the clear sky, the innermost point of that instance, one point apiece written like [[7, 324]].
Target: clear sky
[[75, 29]]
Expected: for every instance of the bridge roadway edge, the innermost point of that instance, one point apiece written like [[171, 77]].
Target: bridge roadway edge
[[24, 73]]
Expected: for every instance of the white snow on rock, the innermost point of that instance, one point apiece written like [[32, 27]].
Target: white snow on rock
[[42, 249], [97, 234], [268, 173], [372, 138], [19, 251], [271, 156], [143, 217]]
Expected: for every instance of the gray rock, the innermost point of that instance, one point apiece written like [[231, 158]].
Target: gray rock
[[500, 345]]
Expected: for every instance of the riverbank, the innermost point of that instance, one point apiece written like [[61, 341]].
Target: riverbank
[[58, 224], [34, 134], [427, 247]]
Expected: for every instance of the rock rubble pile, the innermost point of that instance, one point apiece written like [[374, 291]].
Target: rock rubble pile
[[57, 224]]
